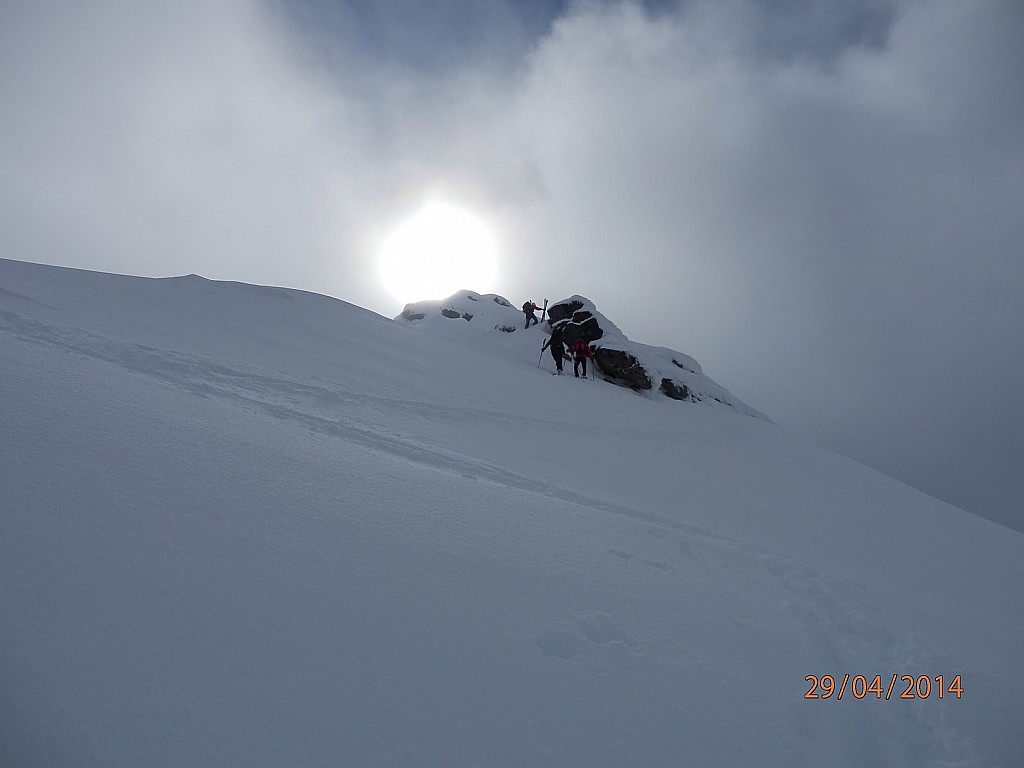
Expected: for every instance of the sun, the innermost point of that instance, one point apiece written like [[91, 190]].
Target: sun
[[440, 249]]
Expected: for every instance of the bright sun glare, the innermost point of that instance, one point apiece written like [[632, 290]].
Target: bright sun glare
[[439, 250]]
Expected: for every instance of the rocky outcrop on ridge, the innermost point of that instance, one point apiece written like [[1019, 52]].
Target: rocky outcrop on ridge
[[639, 367], [622, 368], [659, 371], [581, 321]]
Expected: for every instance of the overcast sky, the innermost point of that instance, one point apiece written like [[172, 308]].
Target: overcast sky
[[822, 201]]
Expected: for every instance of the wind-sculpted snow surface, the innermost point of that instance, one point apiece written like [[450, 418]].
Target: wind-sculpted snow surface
[[254, 526]]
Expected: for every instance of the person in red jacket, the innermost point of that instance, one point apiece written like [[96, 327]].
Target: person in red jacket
[[528, 309], [580, 352]]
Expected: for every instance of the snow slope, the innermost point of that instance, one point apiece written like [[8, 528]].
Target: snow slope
[[248, 526]]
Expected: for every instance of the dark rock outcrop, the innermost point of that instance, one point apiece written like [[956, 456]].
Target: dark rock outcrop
[[675, 391], [622, 367], [616, 365], [581, 323], [563, 311]]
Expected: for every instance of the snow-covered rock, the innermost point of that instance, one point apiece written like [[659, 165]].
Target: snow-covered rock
[[486, 310]]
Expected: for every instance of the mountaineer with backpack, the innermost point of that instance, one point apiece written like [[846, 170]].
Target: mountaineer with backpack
[[580, 352], [528, 309], [557, 345]]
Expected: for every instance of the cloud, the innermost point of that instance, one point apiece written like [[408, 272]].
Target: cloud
[[835, 237], [161, 138]]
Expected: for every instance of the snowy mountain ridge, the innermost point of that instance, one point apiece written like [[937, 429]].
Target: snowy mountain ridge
[[680, 376], [254, 526]]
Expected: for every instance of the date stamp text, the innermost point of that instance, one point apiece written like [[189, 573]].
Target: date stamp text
[[898, 687]]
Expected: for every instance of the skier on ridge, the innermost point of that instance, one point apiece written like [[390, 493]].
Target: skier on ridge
[[528, 309]]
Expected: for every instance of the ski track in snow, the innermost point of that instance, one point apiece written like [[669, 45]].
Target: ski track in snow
[[283, 399], [289, 400]]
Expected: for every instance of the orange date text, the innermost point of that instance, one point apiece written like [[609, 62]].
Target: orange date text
[[877, 687]]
